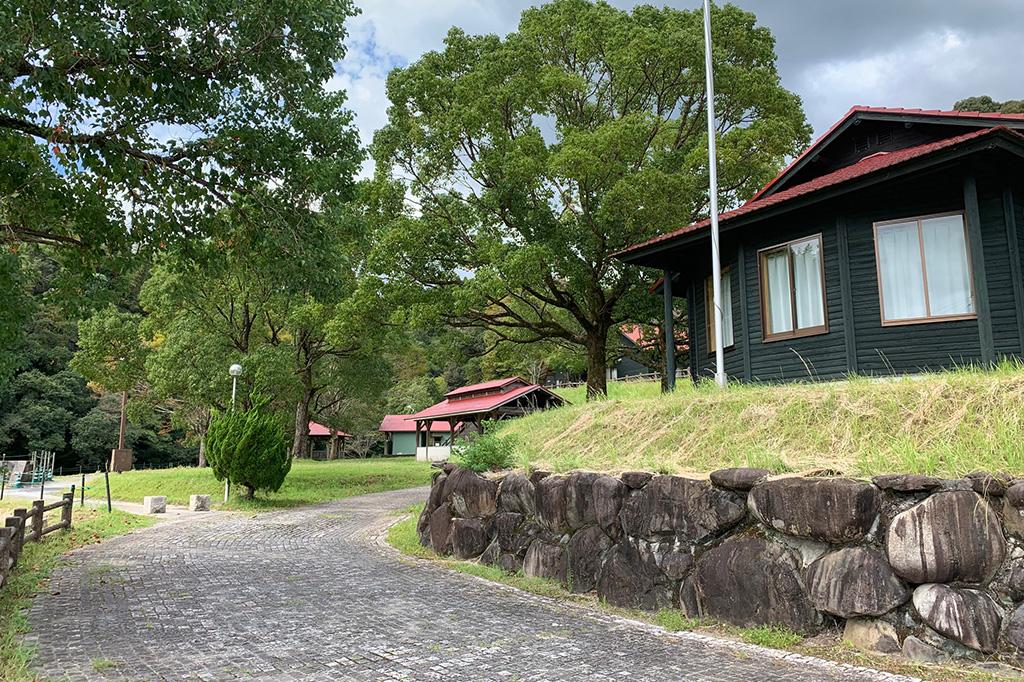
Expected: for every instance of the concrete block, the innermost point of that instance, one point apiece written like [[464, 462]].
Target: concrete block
[[154, 504], [199, 503]]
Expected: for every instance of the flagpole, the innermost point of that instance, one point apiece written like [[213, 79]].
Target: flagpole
[[716, 263]]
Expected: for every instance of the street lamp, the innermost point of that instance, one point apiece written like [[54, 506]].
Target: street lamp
[[235, 371]]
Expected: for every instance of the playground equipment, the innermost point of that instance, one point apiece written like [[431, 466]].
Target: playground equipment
[[38, 469]]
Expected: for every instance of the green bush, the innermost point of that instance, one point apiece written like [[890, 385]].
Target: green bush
[[488, 453], [250, 449]]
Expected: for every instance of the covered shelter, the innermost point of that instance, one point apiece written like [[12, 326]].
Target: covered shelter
[[471, 406], [325, 442]]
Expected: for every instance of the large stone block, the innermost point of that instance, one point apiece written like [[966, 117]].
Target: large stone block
[[907, 483], [436, 498], [855, 581], [630, 578], [608, 494], [950, 537], [750, 581], [440, 526], [517, 494], [835, 510], [871, 634], [154, 504], [580, 510], [470, 494], [545, 560], [739, 478], [586, 550], [551, 504], [199, 503], [685, 508], [506, 526], [970, 617], [468, 538]]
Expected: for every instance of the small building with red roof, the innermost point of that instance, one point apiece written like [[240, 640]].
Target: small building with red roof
[[891, 245], [325, 442], [400, 434], [468, 407]]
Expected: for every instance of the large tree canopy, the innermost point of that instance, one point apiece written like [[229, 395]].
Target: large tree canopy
[[128, 124], [988, 105], [532, 159]]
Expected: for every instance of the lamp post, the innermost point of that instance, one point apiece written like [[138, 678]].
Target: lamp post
[[234, 370]]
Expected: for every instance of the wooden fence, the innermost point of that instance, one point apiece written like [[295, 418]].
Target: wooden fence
[[27, 526]]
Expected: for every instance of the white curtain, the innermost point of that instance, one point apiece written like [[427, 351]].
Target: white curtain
[[807, 283], [899, 263], [727, 339], [945, 258], [780, 316]]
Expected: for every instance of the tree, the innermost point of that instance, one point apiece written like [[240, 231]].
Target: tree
[[531, 160], [155, 116], [986, 104], [249, 448]]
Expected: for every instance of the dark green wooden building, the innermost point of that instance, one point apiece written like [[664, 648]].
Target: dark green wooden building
[[892, 245]]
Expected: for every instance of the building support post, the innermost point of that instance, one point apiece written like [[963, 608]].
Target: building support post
[[846, 291], [977, 251], [669, 384], [1013, 244]]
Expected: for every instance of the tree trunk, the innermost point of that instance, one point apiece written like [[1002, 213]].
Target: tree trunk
[[202, 451], [248, 491], [597, 361], [301, 442]]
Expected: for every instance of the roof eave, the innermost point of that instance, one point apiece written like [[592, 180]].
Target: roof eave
[[1000, 139]]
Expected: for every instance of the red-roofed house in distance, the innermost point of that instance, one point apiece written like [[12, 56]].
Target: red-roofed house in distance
[[892, 245], [400, 434], [325, 442], [470, 406]]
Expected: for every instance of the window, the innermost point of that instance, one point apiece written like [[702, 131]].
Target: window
[[924, 272], [709, 307], [793, 290]]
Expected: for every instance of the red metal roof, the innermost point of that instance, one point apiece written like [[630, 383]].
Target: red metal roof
[[476, 404], [397, 423], [492, 385], [866, 166], [321, 430], [896, 111]]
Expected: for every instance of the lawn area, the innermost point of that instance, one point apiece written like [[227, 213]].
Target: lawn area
[[307, 482], [39, 558], [945, 424]]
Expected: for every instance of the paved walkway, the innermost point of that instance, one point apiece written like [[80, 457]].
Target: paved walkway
[[312, 594]]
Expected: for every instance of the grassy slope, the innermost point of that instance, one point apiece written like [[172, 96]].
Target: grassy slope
[[945, 423], [402, 536], [306, 483], [39, 558]]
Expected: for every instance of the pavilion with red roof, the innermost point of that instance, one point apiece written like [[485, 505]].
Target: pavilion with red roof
[[891, 245], [471, 406], [325, 442]]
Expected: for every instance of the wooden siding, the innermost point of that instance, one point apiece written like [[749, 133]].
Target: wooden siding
[[876, 349]]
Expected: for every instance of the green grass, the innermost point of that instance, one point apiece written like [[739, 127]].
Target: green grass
[[34, 566], [944, 423], [308, 482], [771, 636]]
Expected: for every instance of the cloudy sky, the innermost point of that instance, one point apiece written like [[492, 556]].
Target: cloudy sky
[[833, 53]]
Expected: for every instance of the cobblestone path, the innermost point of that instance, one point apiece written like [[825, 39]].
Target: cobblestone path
[[311, 594]]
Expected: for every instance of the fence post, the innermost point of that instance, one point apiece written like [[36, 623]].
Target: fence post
[[65, 511], [37, 519], [17, 522], [6, 560], [82, 493]]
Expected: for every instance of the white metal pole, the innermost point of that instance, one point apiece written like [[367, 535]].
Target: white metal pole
[[716, 263], [234, 390]]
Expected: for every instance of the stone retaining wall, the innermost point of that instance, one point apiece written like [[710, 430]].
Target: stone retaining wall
[[929, 567]]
